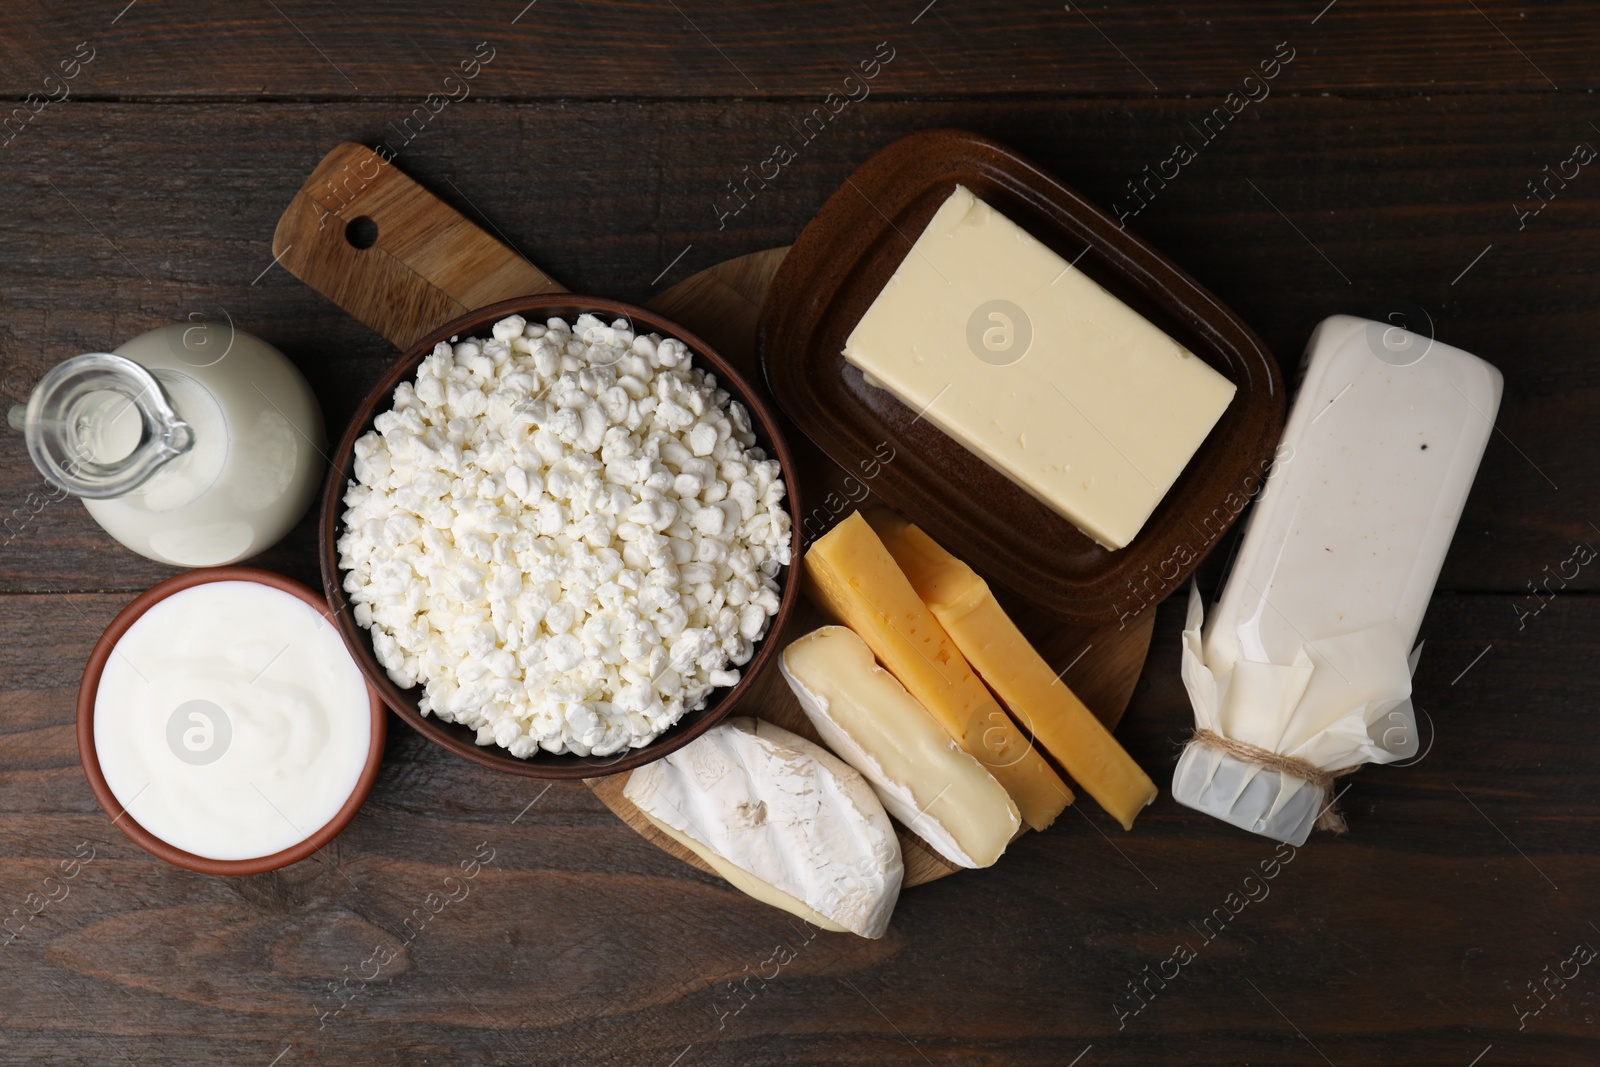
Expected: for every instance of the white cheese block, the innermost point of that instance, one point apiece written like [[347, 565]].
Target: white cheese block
[[1037, 370], [803, 830], [1308, 651], [940, 792]]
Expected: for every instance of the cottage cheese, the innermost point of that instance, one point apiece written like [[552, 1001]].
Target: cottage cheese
[[565, 534]]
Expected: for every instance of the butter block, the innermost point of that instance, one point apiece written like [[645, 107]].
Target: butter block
[[853, 577], [782, 819], [1037, 370], [939, 792], [1013, 668]]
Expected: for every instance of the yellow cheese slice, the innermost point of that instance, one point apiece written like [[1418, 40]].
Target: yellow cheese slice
[[850, 573], [993, 645]]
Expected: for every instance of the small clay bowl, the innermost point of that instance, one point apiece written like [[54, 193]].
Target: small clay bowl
[[119, 816], [462, 740]]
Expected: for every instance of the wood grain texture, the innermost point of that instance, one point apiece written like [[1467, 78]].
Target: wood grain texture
[[1402, 195], [420, 264], [1407, 941], [152, 194], [789, 48]]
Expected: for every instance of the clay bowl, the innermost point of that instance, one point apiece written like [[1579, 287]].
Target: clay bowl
[[460, 739], [91, 761]]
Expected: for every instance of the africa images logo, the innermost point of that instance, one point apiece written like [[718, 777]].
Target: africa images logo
[[999, 332], [199, 732]]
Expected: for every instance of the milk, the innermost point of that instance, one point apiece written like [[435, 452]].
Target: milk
[[257, 456], [200, 446]]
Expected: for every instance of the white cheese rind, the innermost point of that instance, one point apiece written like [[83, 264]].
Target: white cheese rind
[[938, 791], [745, 882], [1099, 413], [785, 811]]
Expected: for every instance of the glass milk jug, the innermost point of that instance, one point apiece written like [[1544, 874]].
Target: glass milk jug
[[195, 445]]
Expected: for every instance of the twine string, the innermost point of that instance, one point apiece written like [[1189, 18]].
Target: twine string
[[1329, 819]]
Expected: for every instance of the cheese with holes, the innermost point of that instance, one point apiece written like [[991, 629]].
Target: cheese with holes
[[941, 794], [852, 576], [1037, 370], [782, 819], [1030, 689]]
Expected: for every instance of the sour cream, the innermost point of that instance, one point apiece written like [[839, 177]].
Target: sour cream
[[231, 722]]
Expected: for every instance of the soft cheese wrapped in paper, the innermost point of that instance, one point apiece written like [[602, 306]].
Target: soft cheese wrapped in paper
[[1303, 671]]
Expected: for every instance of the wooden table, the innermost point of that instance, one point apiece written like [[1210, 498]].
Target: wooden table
[[1388, 160]]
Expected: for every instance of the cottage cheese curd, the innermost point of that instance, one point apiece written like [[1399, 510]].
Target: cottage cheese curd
[[565, 533]]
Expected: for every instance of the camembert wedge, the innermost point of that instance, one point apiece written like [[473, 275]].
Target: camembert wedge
[[782, 819], [941, 794], [1003, 658], [851, 574]]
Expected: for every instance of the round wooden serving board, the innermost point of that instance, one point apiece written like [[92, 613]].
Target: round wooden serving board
[[435, 264]]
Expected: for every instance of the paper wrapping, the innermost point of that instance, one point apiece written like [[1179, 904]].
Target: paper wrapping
[[1344, 700]]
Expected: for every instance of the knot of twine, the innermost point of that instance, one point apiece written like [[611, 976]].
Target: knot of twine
[[1329, 819]]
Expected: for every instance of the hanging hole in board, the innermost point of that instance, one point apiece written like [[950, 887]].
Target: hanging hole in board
[[361, 232]]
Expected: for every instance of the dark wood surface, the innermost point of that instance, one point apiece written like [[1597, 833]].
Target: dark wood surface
[[1393, 150]]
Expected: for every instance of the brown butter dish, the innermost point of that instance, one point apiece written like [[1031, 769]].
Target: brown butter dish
[[843, 260]]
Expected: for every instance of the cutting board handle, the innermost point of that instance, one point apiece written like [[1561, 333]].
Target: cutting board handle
[[392, 254]]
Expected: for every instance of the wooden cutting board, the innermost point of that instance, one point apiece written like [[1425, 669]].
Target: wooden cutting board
[[403, 262]]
